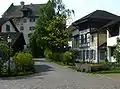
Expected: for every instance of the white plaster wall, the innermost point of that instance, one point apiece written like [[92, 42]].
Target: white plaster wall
[[112, 41], [102, 38], [11, 27], [75, 32], [26, 26]]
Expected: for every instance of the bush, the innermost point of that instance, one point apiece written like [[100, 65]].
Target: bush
[[23, 62], [57, 57], [75, 54], [67, 58], [5, 51], [48, 54]]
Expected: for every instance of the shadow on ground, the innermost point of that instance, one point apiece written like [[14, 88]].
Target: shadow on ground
[[40, 70], [43, 68]]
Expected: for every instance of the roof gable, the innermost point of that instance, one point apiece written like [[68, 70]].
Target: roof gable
[[16, 11], [98, 14], [4, 20], [13, 35]]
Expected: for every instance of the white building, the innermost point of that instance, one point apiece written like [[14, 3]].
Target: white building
[[24, 17], [113, 32], [87, 40]]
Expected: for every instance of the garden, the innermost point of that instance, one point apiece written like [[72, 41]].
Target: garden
[[14, 64], [68, 58]]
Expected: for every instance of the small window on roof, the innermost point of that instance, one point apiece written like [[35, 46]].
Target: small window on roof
[[21, 28], [31, 28], [32, 19], [29, 34], [7, 28], [25, 20]]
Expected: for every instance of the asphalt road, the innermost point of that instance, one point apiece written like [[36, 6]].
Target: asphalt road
[[52, 76]]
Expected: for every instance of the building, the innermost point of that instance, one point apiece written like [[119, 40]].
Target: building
[[113, 32], [87, 40], [24, 17], [8, 29]]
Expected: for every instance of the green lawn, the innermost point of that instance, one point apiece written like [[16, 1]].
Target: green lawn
[[112, 71]]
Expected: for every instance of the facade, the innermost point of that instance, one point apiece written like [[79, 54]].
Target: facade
[[7, 25], [8, 29], [113, 32], [87, 40], [24, 17]]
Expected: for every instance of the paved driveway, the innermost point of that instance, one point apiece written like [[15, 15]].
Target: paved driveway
[[53, 76]]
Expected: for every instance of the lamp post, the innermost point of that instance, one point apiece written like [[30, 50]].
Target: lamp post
[[9, 41]]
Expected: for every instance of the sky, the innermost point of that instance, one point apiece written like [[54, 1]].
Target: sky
[[81, 7]]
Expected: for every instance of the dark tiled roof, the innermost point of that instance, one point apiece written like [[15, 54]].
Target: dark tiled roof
[[98, 14], [13, 35], [3, 20], [111, 23], [16, 11]]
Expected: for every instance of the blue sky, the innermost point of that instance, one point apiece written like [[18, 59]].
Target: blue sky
[[81, 7]]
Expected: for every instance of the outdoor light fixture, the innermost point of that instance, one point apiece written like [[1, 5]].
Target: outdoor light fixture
[[9, 39], [64, 46]]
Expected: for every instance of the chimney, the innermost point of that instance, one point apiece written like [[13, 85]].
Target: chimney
[[22, 4]]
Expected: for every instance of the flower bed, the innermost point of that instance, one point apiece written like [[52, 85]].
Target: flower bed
[[90, 67]]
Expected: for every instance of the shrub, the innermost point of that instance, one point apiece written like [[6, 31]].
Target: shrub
[[57, 56], [48, 54], [5, 51], [74, 55], [67, 57], [23, 62], [116, 52]]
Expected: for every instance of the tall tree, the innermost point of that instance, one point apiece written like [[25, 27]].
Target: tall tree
[[50, 30]]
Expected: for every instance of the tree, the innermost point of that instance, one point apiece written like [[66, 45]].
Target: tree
[[117, 51], [46, 13], [5, 51], [50, 29]]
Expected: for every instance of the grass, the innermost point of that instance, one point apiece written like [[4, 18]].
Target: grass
[[111, 71]]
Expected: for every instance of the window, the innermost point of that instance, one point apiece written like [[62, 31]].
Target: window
[[83, 55], [29, 34], [76, 42], [25, 20], [7, 28], [92, 54], [87, 54], [82, 39], [32, 28], [32, 19], [85, 38], [114, 31], [21, 28]]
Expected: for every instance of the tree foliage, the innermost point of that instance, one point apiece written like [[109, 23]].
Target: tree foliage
[[5, 51], [117, 51], [4, 48], [50, 30]]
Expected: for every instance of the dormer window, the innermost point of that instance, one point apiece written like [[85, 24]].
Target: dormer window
[[21, 28], [32, 19], [25, 20], [31, 28]]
